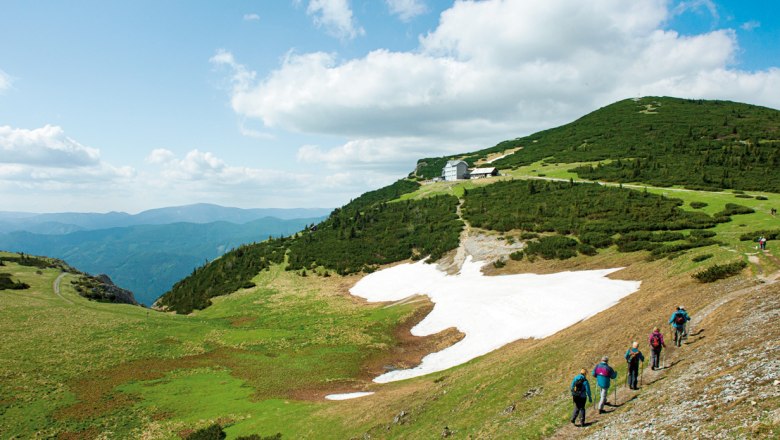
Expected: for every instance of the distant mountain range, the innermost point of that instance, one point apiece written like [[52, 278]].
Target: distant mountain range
[[67, 222], [148, 252]]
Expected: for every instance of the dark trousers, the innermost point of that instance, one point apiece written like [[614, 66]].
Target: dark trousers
[[656, 357], [633, 376], [679, 332], [579, 409]]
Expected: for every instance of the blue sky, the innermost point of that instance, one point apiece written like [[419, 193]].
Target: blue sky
[[136, 105]]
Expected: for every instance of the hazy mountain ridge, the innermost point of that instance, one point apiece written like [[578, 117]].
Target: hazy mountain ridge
[[65, 222], [149, 259]]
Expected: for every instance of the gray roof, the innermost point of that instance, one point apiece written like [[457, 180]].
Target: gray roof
[[452, 163], [483, 170]]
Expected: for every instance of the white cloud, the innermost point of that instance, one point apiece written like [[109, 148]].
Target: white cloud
[[750, 25], [490, 71], [406, 9], [697, 6], [47, 163], [336, 17], [251, 17], [46, 146], [206, 170], [5, 81]]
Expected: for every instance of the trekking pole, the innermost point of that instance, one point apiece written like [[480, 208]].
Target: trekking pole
[[641, 370], [616, 402]]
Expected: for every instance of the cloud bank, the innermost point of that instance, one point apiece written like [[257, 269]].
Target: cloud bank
[[489, 71]]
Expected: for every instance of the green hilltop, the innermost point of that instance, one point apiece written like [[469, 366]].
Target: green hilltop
[[263, 333], [660, 141]]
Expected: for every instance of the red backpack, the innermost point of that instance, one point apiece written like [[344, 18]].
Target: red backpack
[[655, 340]]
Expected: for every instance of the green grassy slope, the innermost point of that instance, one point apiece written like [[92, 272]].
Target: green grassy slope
[[76, 367]]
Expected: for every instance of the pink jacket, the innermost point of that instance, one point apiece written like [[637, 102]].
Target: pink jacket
[[660, 337]]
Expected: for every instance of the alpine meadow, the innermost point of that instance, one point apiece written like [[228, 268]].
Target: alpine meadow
[[270, 339]]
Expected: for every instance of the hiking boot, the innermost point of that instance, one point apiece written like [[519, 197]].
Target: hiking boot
[[601, 411]]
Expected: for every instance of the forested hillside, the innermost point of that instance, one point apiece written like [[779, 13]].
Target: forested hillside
[[362, 234], [656, 140]]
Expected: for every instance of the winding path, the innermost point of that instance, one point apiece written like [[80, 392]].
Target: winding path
[[56, 286]]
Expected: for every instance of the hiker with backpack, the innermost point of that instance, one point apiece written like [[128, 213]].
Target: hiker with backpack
[[656, 345], [603, 373], [580, 390], [634, 357], [678, 320]]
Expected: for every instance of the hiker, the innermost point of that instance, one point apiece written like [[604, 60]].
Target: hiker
[[580, 389], [656, 345], [762, 243], [773, 211], [678, 320], [634, 357], [603, 373]]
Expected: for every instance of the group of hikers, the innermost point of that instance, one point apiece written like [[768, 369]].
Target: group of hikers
[[604, 373]]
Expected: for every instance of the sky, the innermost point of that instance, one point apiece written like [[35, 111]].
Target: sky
[[127, 106]]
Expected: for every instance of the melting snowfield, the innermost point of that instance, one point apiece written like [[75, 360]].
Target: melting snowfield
[[491, 311]]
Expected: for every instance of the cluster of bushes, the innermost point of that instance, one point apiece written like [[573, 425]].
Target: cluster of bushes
[[698, 205], [351, 241], [551, 247], [216, 432], [573, 208], [41, 263], [754, 235], [6, 283], [720, 271], [734, 209], [702, 257], [699, 144]]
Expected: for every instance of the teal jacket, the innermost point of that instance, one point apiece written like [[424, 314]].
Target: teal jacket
[[585, 388], [603, 373], [639, 356], [674, 315]]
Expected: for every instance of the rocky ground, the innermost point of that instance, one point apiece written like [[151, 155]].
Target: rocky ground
[[724, 382]]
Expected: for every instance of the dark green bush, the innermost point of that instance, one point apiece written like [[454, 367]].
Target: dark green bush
[[586, 249], [698, 205], [701, 257], [554, 246], [761, 198], [596, 239], [720, 271], [733, 209], [6, 283], [213, 432]]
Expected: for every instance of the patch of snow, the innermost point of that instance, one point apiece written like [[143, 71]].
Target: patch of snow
[[491, 311], [347, 396], [499, 157]]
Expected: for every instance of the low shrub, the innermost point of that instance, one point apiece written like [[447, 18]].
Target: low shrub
[[528, 235], [596, 239], [586, 249], [761, 198], [213, 432], [733, 208], [720, 271], [698, 205], [701, 257]]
